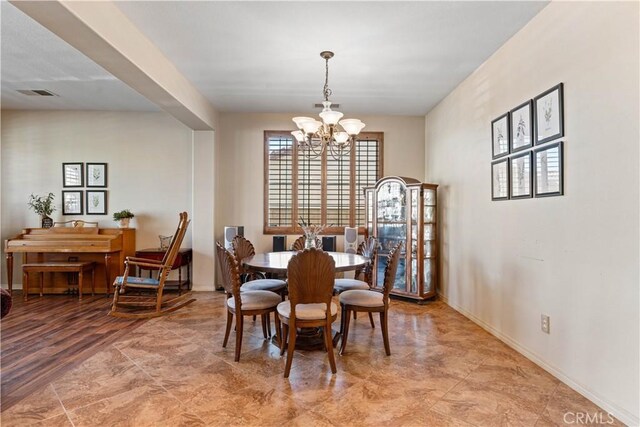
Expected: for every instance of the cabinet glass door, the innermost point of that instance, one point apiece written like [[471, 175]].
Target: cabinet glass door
[[391, 224], [429, 219]]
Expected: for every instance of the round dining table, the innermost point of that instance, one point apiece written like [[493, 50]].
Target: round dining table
[[277, 262]]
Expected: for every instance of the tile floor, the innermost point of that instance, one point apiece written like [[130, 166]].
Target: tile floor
[[444, 371]]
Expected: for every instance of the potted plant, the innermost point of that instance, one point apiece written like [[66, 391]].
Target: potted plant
[[43, 206], [123, 216]]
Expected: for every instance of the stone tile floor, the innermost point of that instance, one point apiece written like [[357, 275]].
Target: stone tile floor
[[444, 371]]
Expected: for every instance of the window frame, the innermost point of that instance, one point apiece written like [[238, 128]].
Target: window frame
[[293, 228]]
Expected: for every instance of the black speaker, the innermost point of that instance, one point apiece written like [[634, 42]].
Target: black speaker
[[279, 243], [329, 243]]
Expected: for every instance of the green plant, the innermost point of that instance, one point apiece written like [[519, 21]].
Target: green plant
[[125, 213], [42, 205]]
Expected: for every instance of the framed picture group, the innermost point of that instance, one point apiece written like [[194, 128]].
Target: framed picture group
[[519, 170], [81, 202]]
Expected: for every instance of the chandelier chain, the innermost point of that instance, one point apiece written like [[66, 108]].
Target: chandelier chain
[[327, 92]]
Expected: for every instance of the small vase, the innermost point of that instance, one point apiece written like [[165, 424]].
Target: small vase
[[310, 241], [47, 222], [124, 222]]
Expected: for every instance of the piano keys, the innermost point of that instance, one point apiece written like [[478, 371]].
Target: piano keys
[[107, 247]]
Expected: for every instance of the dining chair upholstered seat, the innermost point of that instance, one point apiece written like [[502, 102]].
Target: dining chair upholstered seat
[[341, 285], [307, 311], [362, 298], [255, 300], [273, 285]]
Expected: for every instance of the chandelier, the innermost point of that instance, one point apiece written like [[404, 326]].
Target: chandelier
[[336, 136]]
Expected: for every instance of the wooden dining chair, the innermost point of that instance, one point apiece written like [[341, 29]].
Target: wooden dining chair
[[298, 245], [363, 278], [243, 248], [310, 274], [132, 293], [371, 301], [248, 303]]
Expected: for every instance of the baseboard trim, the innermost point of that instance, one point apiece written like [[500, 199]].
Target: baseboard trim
[[621, 414]]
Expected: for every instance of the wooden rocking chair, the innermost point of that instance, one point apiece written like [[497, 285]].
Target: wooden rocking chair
[[130, 290]]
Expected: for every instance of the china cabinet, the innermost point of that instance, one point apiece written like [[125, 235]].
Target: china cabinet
[[400, 209]]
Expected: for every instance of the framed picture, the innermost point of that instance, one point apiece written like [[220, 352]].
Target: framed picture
[[521, 176], [500, 136], [500, 180], [521, 127], [549, 115], [72, 203], [72, 175], [97, 175], [96, 202], [548, 170]]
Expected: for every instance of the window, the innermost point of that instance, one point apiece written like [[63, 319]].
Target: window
[[322, 190]]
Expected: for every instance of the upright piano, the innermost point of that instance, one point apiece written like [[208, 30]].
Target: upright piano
[[107, 247]]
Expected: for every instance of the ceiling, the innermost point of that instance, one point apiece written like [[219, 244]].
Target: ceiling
[[398, 58]]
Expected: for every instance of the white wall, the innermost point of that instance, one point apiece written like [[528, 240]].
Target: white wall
[[240, 159], [574, 257], [149, 158]]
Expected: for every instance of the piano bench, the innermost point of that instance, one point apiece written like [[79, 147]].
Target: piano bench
[[57, 267]]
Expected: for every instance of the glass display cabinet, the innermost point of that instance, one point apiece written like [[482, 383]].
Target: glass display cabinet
[[400, 209]]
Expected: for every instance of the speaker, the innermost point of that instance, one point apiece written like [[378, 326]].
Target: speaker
[[350, 240], [329, 243], [279, 243], [230, 232]]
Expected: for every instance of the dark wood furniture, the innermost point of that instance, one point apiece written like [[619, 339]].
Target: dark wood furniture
[[246, 303], [277, 262], [371, 301], [310, 276], [147, 294], [399, 209], [107, 247], [78, 268], [183, 259]]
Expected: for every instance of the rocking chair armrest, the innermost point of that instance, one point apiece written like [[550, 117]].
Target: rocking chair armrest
[[146, 263], [148, 260]]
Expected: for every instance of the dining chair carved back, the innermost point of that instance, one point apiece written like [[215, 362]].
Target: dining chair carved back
[[254, 281], [247, 303], [310, 275], [299, 243], [156, 304], [371, 301]]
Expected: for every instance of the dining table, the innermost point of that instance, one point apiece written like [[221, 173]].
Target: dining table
[[277, 263]]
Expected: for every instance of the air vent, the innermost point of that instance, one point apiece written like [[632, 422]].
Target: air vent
[[36, 92], [322, 106]]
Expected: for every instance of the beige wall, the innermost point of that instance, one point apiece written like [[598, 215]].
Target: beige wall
[[574, 257], [149, 158], [240, 158]]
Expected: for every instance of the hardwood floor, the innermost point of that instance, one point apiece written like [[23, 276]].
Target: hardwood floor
[[44, 338]]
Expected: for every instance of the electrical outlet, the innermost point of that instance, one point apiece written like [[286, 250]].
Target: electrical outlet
[[545, 323]]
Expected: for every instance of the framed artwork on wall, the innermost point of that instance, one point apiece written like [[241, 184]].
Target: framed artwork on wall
[[521, 176], [72, 175], [549, 170], [97, 175], [500, 136], [549, 114], [96, 202], [500, 180], [521, 127], [72, 203]]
